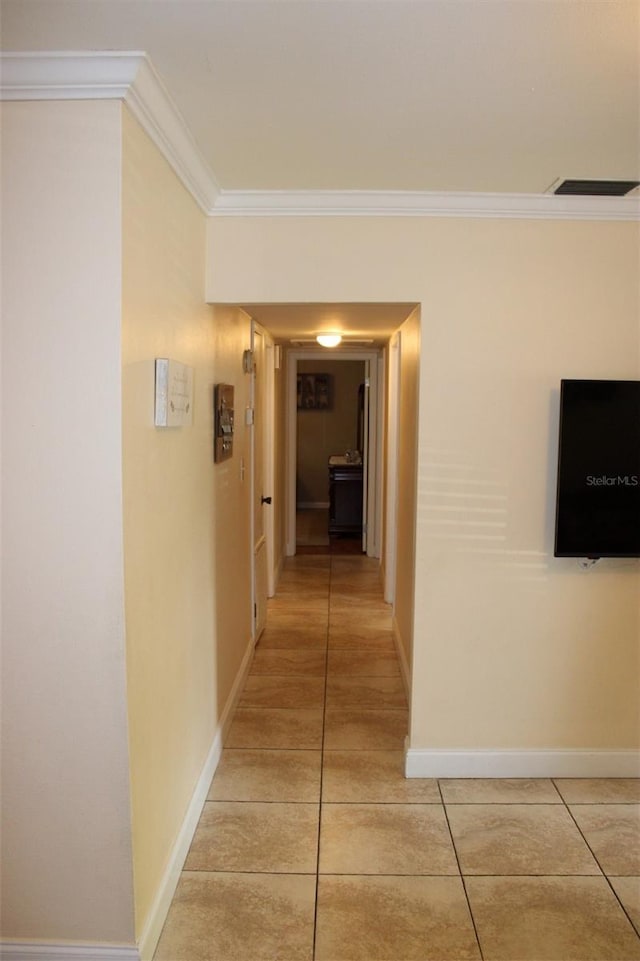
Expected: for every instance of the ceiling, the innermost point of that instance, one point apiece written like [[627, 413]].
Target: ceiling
[[499, 96], [435, 95], [354, 321]]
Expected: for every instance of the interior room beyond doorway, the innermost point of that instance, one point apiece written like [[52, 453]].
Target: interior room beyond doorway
[[329, 428]]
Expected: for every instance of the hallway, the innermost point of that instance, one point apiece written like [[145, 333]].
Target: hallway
[[313, 845]]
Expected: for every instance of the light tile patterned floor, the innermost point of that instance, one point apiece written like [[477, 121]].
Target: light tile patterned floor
[[312, 846]]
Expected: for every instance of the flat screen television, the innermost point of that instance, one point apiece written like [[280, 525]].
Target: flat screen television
[[598, 489]]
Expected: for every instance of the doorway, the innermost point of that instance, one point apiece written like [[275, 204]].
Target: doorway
[[329, 421], [355, 425]]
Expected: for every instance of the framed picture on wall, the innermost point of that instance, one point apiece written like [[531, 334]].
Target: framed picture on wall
[[314, 391]]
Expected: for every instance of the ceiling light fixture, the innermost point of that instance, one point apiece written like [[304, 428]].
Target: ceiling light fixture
[[329, 339]]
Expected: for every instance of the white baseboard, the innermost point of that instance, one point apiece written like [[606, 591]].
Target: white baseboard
[[160, 907], [444, 763], [313, 506], [405, 670], [65, 951], [166, 890]]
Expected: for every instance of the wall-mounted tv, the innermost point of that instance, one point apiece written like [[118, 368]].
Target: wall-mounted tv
[[598, 492]]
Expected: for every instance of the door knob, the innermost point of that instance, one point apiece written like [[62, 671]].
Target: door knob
[[265, 500]]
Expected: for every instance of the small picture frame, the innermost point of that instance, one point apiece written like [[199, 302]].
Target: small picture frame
[[223, 410], [314, 392]]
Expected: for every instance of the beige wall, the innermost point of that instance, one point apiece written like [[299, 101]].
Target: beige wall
[[322, 433], [66, 841], [512, 648], [406, 482], [186, 519]]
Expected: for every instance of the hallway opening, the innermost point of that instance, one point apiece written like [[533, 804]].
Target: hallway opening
[[384, 339]]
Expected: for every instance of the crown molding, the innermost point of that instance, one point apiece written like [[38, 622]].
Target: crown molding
[[371, 203], [114, 75], [151, 104], [62, 75]]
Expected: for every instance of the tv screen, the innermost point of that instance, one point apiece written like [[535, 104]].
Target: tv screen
[[598, 493]]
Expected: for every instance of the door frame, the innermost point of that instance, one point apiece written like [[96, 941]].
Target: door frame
[[266, 409], [393, 414], [374, 480]]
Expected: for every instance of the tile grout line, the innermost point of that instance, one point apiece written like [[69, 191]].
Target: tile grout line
[[392, 874], [464, 885], [595, 858], [324, 720]]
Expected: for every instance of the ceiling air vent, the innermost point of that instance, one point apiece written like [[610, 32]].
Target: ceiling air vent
[[596, 188]]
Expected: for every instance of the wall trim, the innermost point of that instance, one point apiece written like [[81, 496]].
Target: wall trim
[[167, 887], [313, 505], [65, 951], [166, 890], [372, 203], [114, 75], [444, 763]]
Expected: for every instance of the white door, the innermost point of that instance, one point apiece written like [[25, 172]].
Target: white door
[[365, 457], [269, 465], [261, 499]]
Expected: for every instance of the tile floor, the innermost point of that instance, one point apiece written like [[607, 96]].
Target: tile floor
[[312, 844], [312, 526]]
